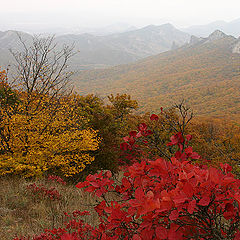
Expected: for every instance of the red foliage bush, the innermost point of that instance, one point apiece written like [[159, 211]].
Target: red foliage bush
[[42, 192], [162, 199], [53, 178]]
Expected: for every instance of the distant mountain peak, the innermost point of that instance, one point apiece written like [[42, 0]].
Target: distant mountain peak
[[229, 28], [216, 38], [217, 34], [164, 26], [149, 27], [168, 25]]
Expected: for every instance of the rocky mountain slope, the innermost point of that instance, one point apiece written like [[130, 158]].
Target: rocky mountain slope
[[205, 72], [114, 49]]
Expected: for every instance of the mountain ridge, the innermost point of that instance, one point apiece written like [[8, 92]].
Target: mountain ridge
[[230, 28], [114, 49], [207, 73]]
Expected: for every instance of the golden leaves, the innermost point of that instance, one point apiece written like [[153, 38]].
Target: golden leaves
[[42, 137]]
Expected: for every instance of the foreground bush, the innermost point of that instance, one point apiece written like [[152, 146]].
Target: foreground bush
[[160, 199]]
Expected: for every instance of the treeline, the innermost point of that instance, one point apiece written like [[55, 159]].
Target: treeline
[[45, 134], [206, 74], [72, 135], [47, 129]]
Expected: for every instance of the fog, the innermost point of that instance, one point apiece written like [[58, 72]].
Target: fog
[[61, 16]]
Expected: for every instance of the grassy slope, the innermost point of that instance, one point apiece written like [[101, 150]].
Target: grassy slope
[[22, 214], [207, 75]]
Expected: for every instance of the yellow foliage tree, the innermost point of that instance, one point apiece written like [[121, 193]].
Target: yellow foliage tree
[[48, 140], [40, 129]]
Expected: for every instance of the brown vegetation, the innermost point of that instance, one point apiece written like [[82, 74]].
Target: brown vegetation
[[206, 75]]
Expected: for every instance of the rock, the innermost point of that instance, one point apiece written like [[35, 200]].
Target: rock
[[236, 48], [194, 40], [216, 35]]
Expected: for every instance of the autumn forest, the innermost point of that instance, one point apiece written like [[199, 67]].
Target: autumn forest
[[139, 151]]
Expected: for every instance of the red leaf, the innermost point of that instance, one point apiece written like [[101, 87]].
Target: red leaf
[[108, 174], [204, 201], [82, 184], [237, 198], [161, 233], [188, 189], [133, 133], [228, 180], [67, 236], [191, 206], [188, 137], [237, 236], [214, 175], [136, 237], [124, 146], [173, 233], [154, 117], [229, 211], [226, 167], [176, 139], [139, 134], [147, 133], [142, 127], [194, 155], [126, 139], [139, 194], [174, 215], [188, 150]]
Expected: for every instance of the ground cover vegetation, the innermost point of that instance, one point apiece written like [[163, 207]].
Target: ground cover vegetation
[[152, 176]]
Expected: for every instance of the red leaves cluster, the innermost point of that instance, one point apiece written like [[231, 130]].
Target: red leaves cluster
[[57, 179], [44, 192], [74, 229], [131, 151], [98, 183], [171, 199], [161, 199]]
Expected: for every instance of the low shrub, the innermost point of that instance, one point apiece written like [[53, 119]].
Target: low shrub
[[171, 199]]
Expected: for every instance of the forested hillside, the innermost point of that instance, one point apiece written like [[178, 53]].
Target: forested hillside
[[121, 126], [151, 176], [205, 72]]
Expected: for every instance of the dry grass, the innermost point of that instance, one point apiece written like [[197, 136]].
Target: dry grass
[[22, 213]]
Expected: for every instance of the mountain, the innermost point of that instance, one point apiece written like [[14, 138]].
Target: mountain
[[231, 28], [205, 72], [113, 49], [121, 48], [10, 40], [46, 29]]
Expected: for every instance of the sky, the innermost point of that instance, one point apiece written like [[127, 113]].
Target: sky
[[41, 14]]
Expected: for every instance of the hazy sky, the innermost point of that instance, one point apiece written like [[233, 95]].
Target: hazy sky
[[97, 13]]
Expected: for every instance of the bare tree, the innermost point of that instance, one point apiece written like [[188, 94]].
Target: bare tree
[[42, 67], [185, 114], [42, 80]]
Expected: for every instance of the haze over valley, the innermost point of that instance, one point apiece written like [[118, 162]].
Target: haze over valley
[[157, 61]]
